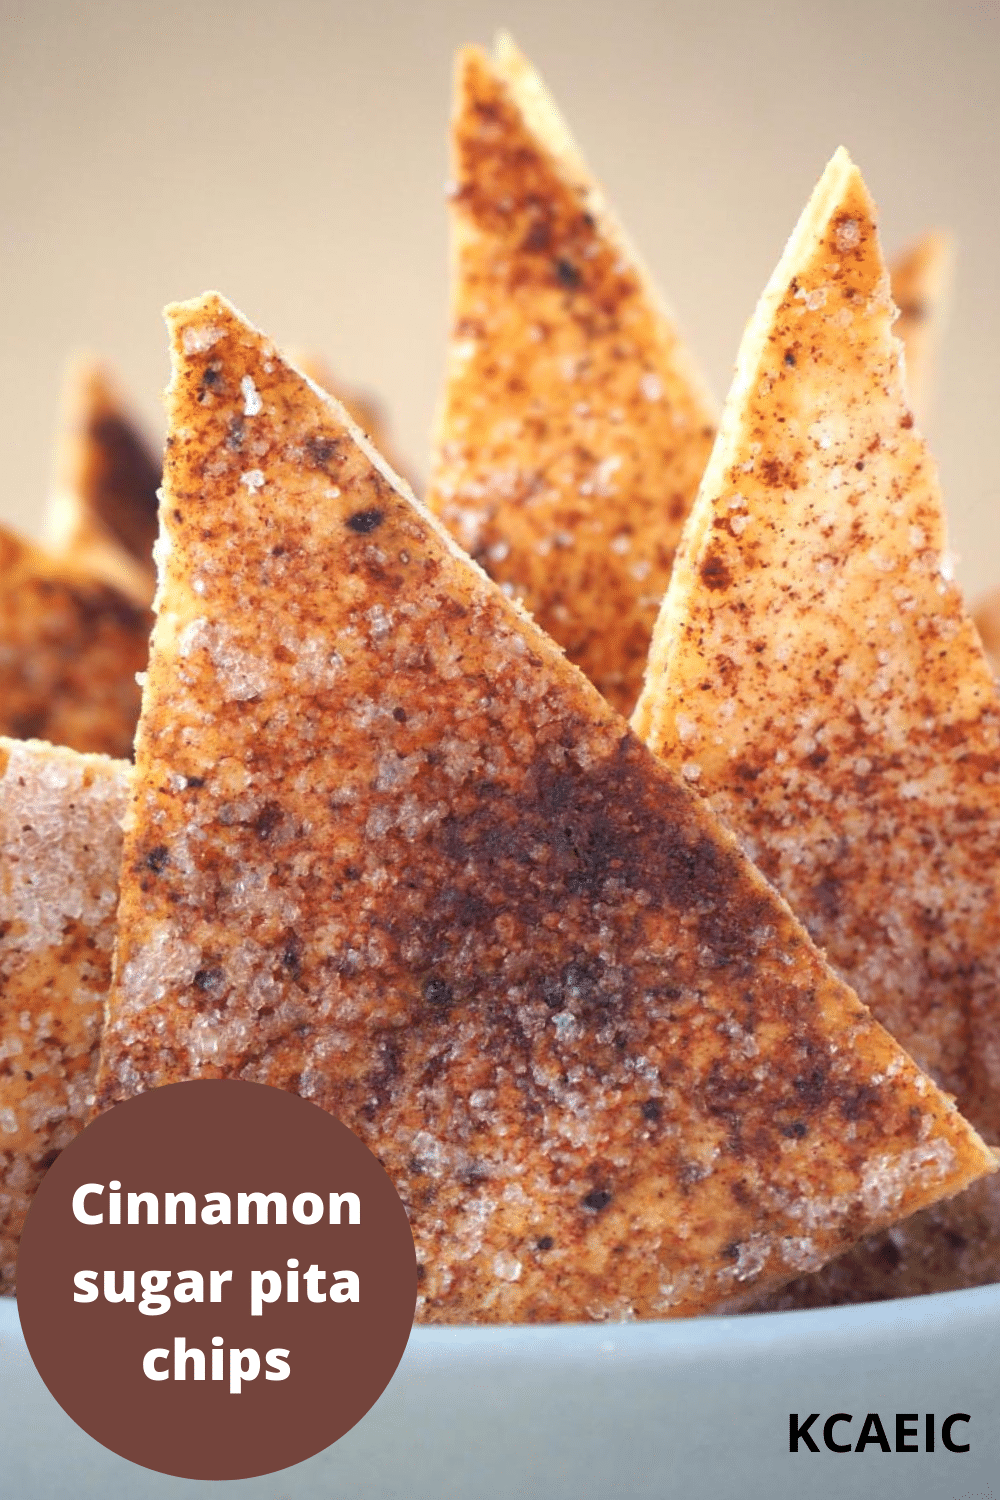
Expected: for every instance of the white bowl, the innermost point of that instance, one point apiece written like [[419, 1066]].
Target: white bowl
[[696, 1409]]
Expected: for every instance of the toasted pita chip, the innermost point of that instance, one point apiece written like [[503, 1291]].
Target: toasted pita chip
[[921, 286], [70, 648], [389, 850], [815, 674], [103, 509], [574, 427], [60, 850]]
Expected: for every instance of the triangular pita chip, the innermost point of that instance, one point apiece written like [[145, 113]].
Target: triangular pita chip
[[60, 850], [921, 283], [103, 508], [574, 427], [814, 672], [70, 648], [388, 849]]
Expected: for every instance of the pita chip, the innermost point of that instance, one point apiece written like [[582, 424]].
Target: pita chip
[[389, 850], [103, 509], [574, 427], [815, 675], [70, 648], [921, 286], [60, 849]]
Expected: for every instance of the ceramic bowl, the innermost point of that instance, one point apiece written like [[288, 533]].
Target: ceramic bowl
[[698, 1409]]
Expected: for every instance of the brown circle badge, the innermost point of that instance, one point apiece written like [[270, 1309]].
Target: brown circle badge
[[216, 1280]]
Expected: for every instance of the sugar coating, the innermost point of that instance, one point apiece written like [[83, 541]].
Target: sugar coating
[[572, 412], [817, 666], [60, 837], [423, 875]]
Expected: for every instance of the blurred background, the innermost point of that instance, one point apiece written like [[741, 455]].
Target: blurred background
[[294, 157]]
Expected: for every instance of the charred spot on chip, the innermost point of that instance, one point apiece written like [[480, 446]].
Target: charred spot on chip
[[731, 1251], [207, 979], [364, 521], [399, 714], [235, 434], [157, 858], [714, 573], [651, 1110], [321, 451], [545, 1243], [267, 819], [438, 992], [790, 360], [796, 1130], [291, 954], [211, 378], [566, 273], [597, 1199]]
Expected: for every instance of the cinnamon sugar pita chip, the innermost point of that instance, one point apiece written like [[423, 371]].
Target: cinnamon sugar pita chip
[[389, 850], [816, 676], [70, 648], [574, 427], [103, 510], [60, 848], [921, 283]]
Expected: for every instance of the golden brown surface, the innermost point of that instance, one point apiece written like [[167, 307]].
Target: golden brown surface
[[921, 285], [389, 850], [574, 428], [816, 676], [60, 848], [70, 647], [103, 510]]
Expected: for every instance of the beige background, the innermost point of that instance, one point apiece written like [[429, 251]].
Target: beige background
[[293, 156]]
